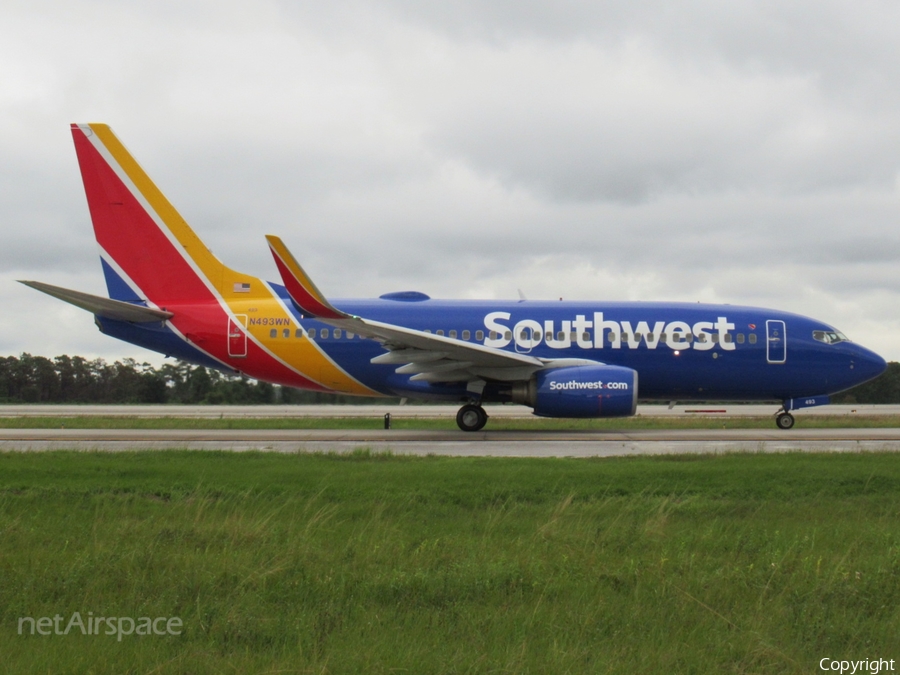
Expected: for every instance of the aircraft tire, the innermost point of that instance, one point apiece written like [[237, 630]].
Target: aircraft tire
[[471, 417], [784, 420]]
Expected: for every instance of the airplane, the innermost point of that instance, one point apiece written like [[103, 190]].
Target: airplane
[[169, 293]]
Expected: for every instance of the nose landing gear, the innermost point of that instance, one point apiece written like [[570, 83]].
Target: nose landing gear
[[471, 417], [784, 420]]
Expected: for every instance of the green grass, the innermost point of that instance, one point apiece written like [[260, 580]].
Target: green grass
[[495, 423], [373, 563]]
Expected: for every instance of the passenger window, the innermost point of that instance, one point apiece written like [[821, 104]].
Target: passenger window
[[560, 336], [507, 335], [752, 338], [440, 332], [350, 336], [702, 338], [728, 338], [312, 333], [715, 337], [740, 338], [466, 335], [586, 337], [523, 335], [638, 336], [273, 333], [479, 335], [337, 333], [689, 338], [495, 335], [286, 333], [427, 330], [452, 334], [664, 337], [649, 337], [298, 333]]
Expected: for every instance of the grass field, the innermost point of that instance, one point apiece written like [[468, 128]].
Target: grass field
[[495, 423], [380, 564]]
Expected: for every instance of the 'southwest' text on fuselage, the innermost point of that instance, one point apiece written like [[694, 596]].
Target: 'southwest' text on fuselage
[[600, 332]]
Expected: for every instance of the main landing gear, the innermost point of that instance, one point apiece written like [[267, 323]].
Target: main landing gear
[[784, 420], [471, 417]]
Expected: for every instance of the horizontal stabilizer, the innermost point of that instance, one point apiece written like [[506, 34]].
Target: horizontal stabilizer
[[105, 307]]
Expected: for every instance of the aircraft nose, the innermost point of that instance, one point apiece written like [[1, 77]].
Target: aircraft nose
[[867, 364]]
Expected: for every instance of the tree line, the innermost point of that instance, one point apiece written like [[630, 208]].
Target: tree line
[[74, 379]]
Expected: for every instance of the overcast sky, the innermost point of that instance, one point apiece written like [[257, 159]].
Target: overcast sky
[[735, 152]]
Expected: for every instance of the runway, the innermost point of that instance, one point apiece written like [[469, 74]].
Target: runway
[[458, 443], [411, 411]]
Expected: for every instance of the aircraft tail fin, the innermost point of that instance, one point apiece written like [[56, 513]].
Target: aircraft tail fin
[[149, 253]]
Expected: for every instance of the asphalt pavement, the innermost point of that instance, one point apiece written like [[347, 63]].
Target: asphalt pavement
[[457, 443]]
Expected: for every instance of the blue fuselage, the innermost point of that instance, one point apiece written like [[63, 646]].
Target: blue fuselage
[[681, 351]]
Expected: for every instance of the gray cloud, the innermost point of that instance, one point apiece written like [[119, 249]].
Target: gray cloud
[[743, 152]]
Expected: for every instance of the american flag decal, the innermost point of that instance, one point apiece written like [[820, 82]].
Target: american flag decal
[[242, 288]]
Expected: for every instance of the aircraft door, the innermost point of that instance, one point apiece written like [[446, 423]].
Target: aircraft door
[[237, 336], [776, 341]]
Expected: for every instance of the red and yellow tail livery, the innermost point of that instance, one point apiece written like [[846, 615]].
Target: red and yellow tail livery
[[152, 257]]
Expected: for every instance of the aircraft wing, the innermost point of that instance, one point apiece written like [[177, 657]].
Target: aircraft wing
[[105, 307], [424, 356]]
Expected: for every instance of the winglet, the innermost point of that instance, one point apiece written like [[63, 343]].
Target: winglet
[[299, 286]]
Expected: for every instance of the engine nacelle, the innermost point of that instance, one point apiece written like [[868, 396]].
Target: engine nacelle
[[580, 391]]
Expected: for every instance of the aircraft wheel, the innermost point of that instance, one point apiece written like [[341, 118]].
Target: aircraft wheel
[[471, 417], [784, 420]]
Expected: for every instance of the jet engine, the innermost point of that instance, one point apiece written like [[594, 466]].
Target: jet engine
[[580, 391]]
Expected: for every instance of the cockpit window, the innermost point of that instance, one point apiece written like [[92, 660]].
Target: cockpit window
[[829, 337]]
